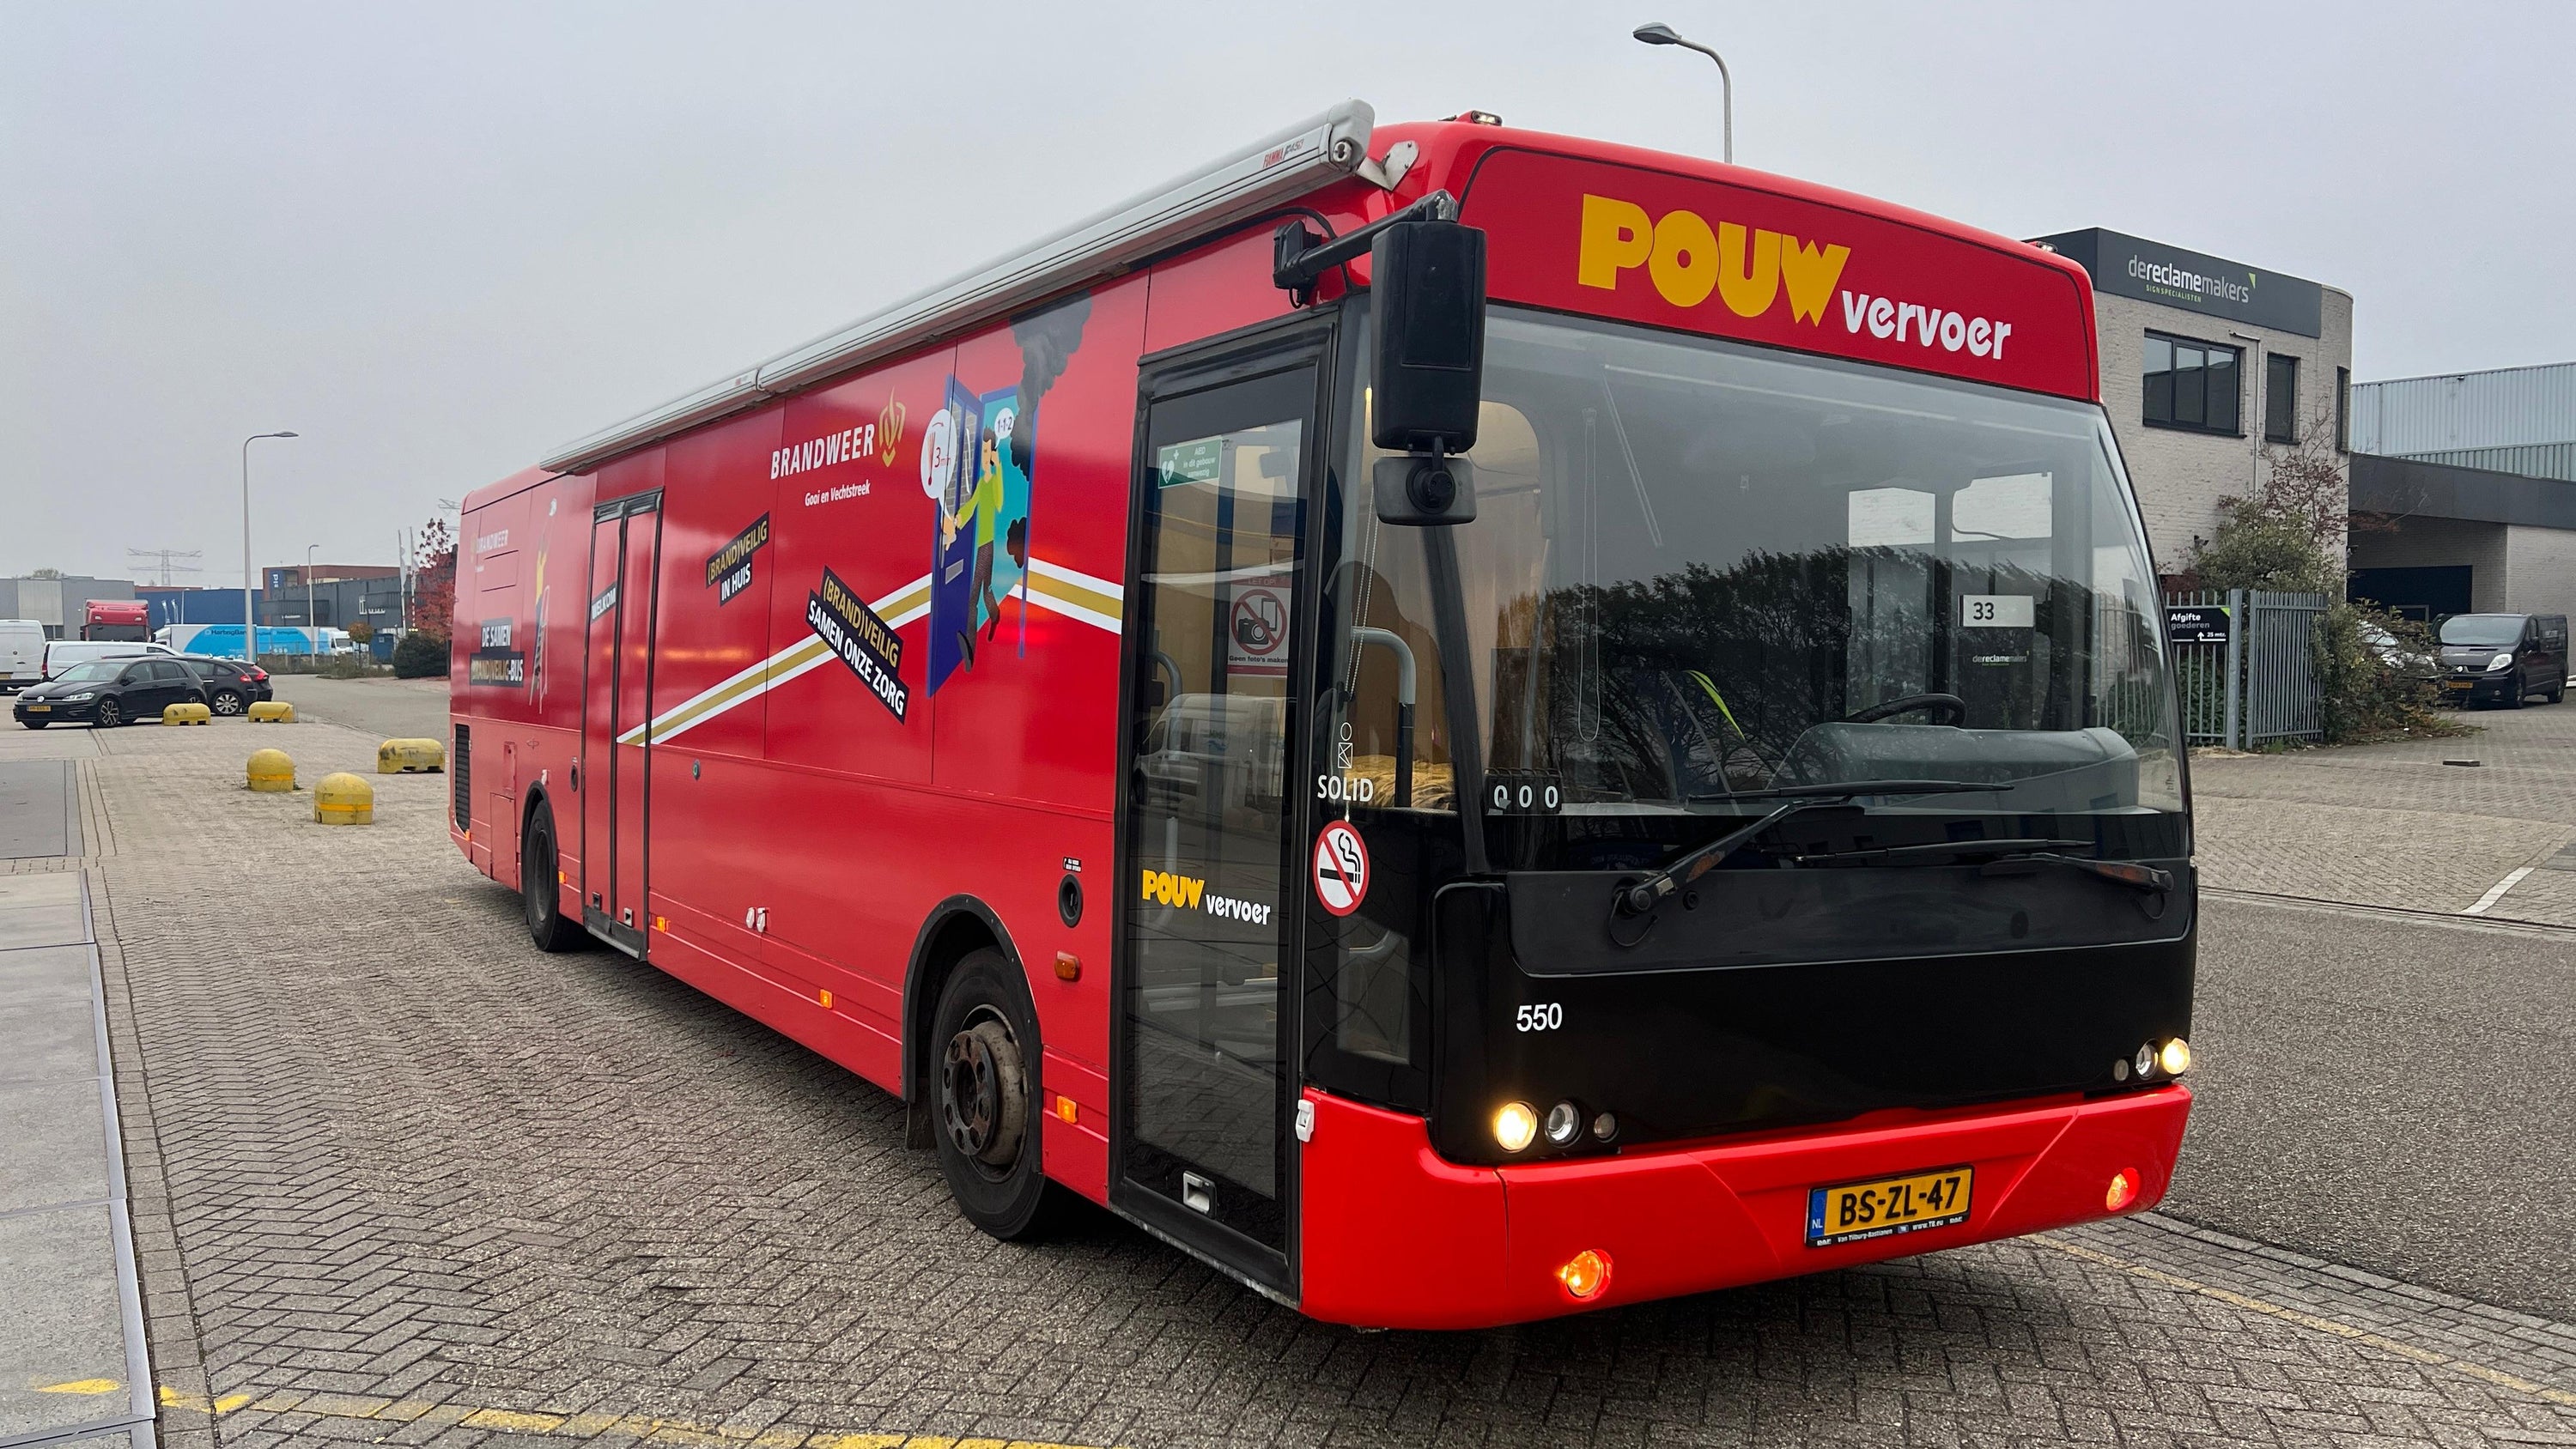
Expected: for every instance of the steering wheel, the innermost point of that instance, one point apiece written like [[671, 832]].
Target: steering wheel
[[1944, 708]]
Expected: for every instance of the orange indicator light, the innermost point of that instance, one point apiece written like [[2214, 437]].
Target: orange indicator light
[[1065, 1110], [1586, 1273], [826, 997], [2123, 1190], [1068, 967]]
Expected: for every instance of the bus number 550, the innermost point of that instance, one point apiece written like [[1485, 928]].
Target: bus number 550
[[1539, 1018]]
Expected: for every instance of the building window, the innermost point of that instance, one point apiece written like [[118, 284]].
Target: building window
[[2280, 399], [2192, 384], [2343, 409]]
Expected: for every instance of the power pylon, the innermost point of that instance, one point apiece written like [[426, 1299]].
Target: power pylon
[[166, 560]]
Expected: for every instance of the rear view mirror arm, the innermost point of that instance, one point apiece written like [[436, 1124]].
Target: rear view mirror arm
[[1299, 257]]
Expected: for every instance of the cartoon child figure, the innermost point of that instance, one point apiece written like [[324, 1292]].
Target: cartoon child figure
[[982, 506]]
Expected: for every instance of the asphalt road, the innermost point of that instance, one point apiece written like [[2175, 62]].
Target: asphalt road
[[2390, 1094], [390, 708]]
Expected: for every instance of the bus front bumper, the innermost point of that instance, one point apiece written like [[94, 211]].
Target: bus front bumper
[[1393, 1236]]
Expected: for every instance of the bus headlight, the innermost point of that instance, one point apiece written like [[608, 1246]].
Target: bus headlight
[[2175, 1058], [1564, 1124], [1515, 1126]]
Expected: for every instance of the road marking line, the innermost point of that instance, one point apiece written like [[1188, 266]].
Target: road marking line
[[2309, 1321], [2496, 892], [82, 1386], [366, 1408]]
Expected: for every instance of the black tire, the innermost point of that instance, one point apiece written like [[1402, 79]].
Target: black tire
[[2514, 691], [109, 715], [540, 894], [982, 1078], [227, 702], [2558, 691]]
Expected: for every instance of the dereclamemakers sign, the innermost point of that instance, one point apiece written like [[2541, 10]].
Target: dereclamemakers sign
[[2127, 266]]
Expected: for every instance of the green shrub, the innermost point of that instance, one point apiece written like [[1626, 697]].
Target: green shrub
[[420, 655]]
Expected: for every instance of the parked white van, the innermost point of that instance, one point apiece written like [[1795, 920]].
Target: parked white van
[[22, 654], [62, 654]]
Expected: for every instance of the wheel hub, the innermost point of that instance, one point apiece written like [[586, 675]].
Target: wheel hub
[[979, 1096]]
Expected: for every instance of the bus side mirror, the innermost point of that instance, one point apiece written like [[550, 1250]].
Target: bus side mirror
[[1428, 281]]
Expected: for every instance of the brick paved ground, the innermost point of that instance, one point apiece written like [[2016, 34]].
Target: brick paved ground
[[400, 1178], [2394, 826]]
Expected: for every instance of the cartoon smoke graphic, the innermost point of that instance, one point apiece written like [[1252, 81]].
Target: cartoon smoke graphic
[[1047, 341]]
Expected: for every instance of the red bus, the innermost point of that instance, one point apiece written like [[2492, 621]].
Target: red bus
[[127, 620], [1464, 724]]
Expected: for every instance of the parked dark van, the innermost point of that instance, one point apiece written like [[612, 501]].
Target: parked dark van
[[2504, 658]]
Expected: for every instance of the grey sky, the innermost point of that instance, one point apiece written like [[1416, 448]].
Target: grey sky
[[440, 240]]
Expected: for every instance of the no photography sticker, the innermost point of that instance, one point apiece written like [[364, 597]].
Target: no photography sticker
[[1341, 869]]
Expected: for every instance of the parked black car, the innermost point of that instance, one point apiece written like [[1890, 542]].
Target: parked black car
[[231, 686], [106, 692], [2505, 658]]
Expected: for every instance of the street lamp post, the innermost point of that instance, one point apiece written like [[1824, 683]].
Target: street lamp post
[[312, 624], [1662, 34], [250, 612]]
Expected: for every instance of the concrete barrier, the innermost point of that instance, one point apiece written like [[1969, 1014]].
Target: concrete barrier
[[185, 714], [410, 757], [271, 772], [341, 798], [272, 711]]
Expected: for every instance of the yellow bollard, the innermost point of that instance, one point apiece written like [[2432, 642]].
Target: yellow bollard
[[271, 772], [272, 711], [407, 757], [185, 714], [344, 799]]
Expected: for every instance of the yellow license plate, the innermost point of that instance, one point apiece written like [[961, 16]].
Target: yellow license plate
[[1884, 1207], [40, 709]]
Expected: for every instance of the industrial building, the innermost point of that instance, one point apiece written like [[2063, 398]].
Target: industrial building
[[2211, 369], [2464, 492], [56, 602]]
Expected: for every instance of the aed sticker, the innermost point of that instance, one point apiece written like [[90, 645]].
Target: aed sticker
[[1341, 869], [1200, 460]]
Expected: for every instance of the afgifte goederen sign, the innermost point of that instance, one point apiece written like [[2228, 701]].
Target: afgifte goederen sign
[[2126, 266]]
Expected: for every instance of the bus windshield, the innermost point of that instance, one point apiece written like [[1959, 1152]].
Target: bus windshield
[[1701, 570]]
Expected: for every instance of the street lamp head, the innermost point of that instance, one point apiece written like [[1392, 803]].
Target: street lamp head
[[286, 435], [1657, 33]]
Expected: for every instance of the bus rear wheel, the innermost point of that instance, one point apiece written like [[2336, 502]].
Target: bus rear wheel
[[983, 1077], [540, 887]]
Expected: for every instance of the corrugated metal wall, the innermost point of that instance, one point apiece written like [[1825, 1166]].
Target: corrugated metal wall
[[2418, 417], [2532, 460]]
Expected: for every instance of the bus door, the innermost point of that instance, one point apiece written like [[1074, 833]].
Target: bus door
[[617, 678], [1202, 1076]]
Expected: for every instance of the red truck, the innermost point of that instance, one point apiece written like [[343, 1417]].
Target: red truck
[[120, 620], [1465, 724]]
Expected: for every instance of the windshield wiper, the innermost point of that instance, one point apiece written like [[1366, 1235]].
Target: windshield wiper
[[2007, 852], [1925, 853], [1645, 895], [2136, 875]]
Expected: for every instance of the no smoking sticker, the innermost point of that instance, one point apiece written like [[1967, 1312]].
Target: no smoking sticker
[[1341, 869]]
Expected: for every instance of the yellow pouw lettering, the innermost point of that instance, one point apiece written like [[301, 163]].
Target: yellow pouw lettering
[[1164, 888], [1687, 259]]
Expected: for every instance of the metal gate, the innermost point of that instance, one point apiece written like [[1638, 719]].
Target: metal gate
[[2260, 682]]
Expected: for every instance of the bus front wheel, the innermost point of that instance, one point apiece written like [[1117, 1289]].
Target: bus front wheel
[[983, 1077]]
